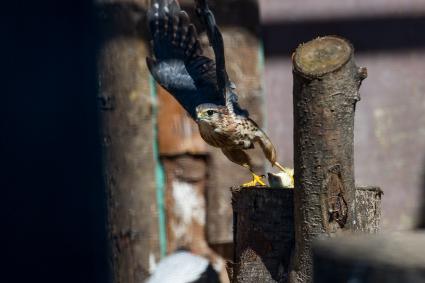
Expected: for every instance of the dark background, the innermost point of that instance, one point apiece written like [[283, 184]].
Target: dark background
[[54, 203]]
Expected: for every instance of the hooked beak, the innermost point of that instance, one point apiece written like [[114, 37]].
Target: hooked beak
[[198, 117]]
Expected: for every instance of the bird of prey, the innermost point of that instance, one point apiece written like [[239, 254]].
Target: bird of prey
[[201, 85]]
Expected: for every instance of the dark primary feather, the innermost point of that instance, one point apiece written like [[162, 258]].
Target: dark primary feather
[[179, 65], [225, 87]]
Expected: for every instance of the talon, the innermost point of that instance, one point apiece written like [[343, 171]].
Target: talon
[[256, 181]]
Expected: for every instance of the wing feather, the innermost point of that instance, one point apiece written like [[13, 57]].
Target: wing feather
[[179, 65]]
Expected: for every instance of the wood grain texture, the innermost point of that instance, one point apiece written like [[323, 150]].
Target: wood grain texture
[[263, 233], [325, 97], [127, 135], [264, 230], [368, 209]]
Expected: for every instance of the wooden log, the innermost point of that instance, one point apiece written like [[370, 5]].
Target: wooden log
[[371, 258], [127, 134], [269, 213], [368, 209], [325, 91], [185, 203], [185, 207], [263, 234]]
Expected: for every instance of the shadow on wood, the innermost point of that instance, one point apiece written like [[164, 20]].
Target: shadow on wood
[[263, 233], [374, 258]]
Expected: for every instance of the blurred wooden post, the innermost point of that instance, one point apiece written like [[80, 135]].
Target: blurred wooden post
[[127, 117], [371, 258], [184, 158], [325, 91], [263, 234], [183, 154]]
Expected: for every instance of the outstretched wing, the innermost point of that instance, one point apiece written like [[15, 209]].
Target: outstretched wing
[[179, 65]]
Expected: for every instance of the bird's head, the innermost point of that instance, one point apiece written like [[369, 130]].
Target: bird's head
[[209, 113]]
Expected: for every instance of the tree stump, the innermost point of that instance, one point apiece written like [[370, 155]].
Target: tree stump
[[262, 214], [368, 208], [374, 258], [325, 91], [263, 234]]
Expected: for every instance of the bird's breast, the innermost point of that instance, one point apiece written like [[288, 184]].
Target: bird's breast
[[224, 137], [210, 136]]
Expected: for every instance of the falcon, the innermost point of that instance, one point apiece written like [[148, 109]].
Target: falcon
[[201, 85]]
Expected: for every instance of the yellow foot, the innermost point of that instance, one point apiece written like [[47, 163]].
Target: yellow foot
[[256, 181]]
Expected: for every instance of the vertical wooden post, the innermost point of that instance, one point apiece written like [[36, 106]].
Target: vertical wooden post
[[184, 159], [263, 234], [326, 90], [128, 135], [183, 155]]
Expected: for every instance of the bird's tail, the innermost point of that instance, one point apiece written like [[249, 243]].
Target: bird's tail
[[267, 146], [270, 152], [173, 35]]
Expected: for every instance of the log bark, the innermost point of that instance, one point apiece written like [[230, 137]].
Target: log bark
[[263, 234], [264, 213], [325, 91], [368, 209], [127, 134], [371, 258]]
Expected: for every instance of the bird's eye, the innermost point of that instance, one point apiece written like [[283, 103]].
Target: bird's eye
[[210, 112]]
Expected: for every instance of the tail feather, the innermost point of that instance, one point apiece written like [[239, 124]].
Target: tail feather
[[267, 146], [270, 153]]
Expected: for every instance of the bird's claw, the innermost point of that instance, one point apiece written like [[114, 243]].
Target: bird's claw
[[256, 181]]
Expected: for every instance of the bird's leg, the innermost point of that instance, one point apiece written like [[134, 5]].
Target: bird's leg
[[256, 180]]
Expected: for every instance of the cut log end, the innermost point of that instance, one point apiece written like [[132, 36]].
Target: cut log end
[[322, 55]]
